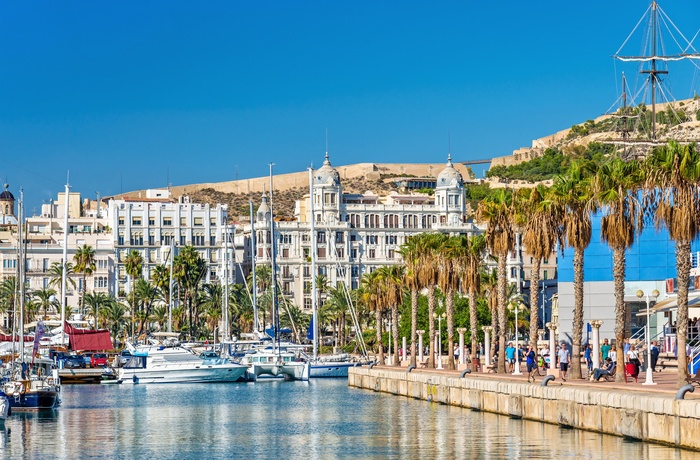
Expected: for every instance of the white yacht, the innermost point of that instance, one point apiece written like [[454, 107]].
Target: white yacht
[[176, 365], [270, 362]]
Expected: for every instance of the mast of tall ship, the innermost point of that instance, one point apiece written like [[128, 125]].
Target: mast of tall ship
[[22, 268]]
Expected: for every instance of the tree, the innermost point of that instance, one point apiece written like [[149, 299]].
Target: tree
[[615, 187], [673, 178], [391, 278], [146, 293], [56, 280], [371, 296], [451, 251], [8, 296], [133, 264], [498, 211], [84, 259], [189, 269], [43, 299], [115, 317], [96, 302], [472, 257], [410, 252], [428, 278], [573, 192]]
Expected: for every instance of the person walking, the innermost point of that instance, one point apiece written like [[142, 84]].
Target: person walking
[[564, 359], [654, 355], [588, 357], [604, 350], [510, 357], [531, 364]]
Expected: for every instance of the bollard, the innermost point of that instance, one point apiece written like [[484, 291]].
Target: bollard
[[546, 380], [683, 390], [465, 372], [410, 368]]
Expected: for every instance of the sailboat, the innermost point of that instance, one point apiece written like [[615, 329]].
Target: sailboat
[[35, 386], [322, 366], [276, 359]]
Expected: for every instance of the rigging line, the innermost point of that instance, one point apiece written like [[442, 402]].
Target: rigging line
[[664, 18], [633, 30], [5, 160], [690, 44]]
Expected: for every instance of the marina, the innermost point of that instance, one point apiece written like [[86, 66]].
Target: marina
[[293, 420]]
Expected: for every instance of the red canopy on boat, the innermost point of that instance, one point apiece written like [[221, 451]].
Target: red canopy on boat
[[8, 338], [88, 339]]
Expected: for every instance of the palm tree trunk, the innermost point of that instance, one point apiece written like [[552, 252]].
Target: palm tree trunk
[[502, 285], [414, 324], [620, 310], [431, 327], [380, 345], [82, 294], [450, 306], [494, 332], [578, 315], [473, 323], [683, 269], [534, 302], [395, 333]]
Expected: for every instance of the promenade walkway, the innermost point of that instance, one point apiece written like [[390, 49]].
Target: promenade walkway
[[665, 381]]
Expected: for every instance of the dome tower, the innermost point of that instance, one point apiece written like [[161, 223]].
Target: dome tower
[[449, 195]]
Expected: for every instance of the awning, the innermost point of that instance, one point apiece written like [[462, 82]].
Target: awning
[[87, 339], [670, 304]]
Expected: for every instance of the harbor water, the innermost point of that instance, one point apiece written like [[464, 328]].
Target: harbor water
[[320, 419]]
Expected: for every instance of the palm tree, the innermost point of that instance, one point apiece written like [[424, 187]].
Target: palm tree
[[212, 300], [84, 259], [428, 278], [133, 264], [541, 219], [615, 187], [189, 269], [8, 296], [573, 192], [497, 209], [159, 315], [391, 277], [489, 283], [448, 279], [371, 296], [674, 180], [96, 302], [42, 297], [410, 252], [56, 274], [146, 293], [115, 317], [472, 257]]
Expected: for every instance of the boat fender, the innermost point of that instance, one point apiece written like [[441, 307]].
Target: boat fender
[[464, 373], [683, 390], [22, 389], [410, 368], [546, 380]]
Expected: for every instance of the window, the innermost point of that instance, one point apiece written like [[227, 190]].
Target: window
[[136, 239], [329, 198], [371, 254], [339, 237], [340, 253], [45, 283], [355, 271], [136, 221], [182, 239], [198, 240], [198, 221], [340, 273], [121, 220], [151, 221], [167, 221], [391, 221], [354, 220], [391, 239], [545, 261], [102, 264], [372, 221], [212, 221], [307, 303], [353, 237], [321, 237], [307, 271], [285, 253], [321, 253], [45, 265], [545, 275], [372, 239], [305, 238], [353, 254], [183, 221], [390, 254], [151, 240], [212, 240], [165, 240], [410, 221], [285, 238], [306, 252]]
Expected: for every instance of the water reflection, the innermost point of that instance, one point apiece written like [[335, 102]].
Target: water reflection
[[317, 419]]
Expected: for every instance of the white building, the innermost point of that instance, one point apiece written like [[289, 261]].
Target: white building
[[355, 233]]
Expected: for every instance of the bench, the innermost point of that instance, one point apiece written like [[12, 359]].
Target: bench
[[490, 368]]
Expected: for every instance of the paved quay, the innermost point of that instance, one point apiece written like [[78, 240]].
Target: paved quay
[[631, 410]]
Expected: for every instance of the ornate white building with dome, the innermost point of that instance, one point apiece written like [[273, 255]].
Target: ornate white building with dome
[[355, 233]]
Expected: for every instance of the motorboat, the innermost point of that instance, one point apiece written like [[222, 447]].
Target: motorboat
[[27, 391], [176, 365], [273, 362], [332, 366]]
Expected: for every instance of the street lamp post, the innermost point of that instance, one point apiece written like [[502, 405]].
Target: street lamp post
[[515, 307], [650, 375], [439, 318]]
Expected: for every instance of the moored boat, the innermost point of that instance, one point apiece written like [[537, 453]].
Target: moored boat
[[272, 363]]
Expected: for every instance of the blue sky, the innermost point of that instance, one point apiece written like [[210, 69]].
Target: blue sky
[[124, 94]]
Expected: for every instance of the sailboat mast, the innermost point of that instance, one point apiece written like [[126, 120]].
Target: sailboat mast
[[65, 267], [314, 305], [276, 318], [22, 268], [170, 285], [226, 274], [253, 254], [654, 72]]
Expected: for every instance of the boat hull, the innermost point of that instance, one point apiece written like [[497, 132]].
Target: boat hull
[[194, 374], [35, 400], [288, 371], [330, 370]]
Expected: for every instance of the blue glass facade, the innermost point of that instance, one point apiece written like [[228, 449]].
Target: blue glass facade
[[651, 258]]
